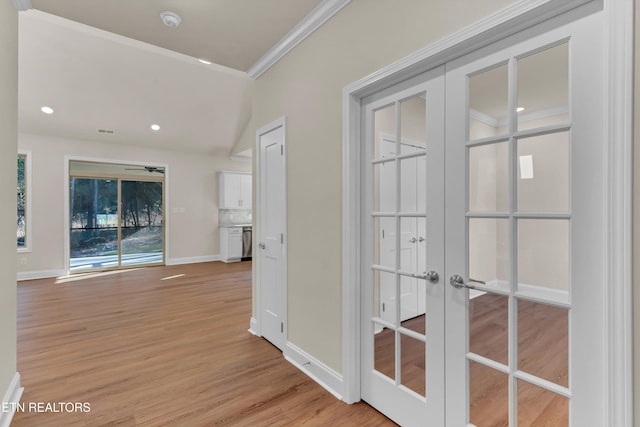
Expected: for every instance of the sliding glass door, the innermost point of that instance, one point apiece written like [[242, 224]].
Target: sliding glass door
[[116, 220], [141, 222]]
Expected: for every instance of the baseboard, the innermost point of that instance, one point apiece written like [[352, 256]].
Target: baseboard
[[329, 379], [11, 400], [192, 260], [253, 326], [43, 274]]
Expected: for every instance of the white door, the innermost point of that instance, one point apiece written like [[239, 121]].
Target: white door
[[514, 228], [403, 359], [270, 223]]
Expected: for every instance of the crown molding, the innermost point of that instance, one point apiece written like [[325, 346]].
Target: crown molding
[[318, 16], [22, 5]]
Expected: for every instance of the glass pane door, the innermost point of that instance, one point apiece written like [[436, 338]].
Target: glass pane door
[[93, 223], [142, 222], [523, 260], [403, 328], [116, 215]]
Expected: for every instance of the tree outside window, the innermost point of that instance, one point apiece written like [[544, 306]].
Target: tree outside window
[[22, 202]]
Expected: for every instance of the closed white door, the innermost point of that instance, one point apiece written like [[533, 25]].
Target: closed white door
[[403, 359], [513, 223], [270, 221]]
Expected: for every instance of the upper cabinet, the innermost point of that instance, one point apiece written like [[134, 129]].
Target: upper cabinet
[[234, 190]]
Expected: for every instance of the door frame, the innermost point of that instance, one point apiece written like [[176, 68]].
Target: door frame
[[618, 120], [255, 326], [66, 226]]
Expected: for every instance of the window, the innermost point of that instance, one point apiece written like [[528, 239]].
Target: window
[[23, 242]]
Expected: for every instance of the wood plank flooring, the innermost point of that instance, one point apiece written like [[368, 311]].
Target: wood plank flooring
[[162, 346]]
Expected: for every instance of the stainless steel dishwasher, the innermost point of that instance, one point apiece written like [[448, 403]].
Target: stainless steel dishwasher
[[246, 242]]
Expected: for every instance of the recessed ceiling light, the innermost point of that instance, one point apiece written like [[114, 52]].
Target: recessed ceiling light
[[519, 109], [155, 127], [46, 110], [204, 61]]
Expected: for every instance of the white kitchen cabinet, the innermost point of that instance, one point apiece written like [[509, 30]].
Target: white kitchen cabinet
[[234, 190], [230, 244]]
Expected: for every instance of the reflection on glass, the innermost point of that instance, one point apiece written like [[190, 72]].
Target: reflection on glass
[[412, 241], [543, 341], [141, 215], [413, 304], [543, 257], [413, 124], [489, 327], [384, 244], [413, 358], [543, 173], [384, 133], [540, 407], [384, 351], [488, 396], [543, 88], [488, 103], [384, 187], [489, 251], [384, 296], [489, 178], [413, 184]]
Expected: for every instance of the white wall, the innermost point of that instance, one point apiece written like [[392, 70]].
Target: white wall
[[306, 87], [8, 153], [192, 184]]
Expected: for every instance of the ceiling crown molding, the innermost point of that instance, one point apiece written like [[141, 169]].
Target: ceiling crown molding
[[22, 5], [318, 16]]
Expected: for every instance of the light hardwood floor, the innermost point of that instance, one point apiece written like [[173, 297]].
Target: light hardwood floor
[[162, 346]]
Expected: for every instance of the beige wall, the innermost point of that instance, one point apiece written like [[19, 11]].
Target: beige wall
[[306, 87], [192, 185], [8, 152]]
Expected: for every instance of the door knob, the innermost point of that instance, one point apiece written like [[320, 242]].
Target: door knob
[[413, 240], [421, 239], [458, 282], [262, 245], [432, 276]]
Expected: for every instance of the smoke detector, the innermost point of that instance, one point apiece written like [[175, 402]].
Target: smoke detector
[[170, 19]]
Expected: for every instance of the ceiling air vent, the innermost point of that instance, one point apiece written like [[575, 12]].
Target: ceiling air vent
[[106, 131]]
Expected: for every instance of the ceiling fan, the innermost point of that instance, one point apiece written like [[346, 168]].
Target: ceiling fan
[[148, 169]]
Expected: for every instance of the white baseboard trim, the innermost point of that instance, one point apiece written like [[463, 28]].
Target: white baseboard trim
[[192, 260], [524, 289], [329, 379], [43, 274], [11, 400], [253, 327]]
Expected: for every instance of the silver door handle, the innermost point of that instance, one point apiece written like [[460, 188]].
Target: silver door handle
[[432, 276], [421, 239], [413, 240], [262, 245], [458, 282]]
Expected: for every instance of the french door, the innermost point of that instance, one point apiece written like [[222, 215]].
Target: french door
[[482, 250]]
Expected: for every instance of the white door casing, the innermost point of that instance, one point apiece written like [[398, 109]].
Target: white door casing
[[271, 280]]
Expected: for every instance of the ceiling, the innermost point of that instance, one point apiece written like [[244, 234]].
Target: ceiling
[[233, 33], [114, 66]]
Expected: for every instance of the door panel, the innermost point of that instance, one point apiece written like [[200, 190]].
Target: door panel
[[271, 234], [403, 354], [521, 206], [516, 236]]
